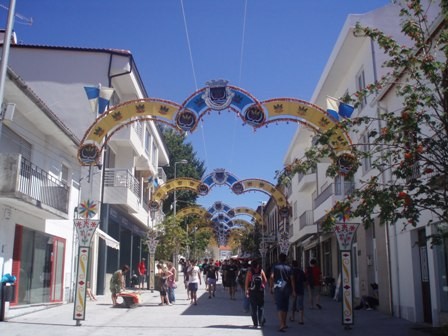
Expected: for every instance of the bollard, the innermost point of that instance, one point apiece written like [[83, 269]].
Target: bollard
[[7, 294]]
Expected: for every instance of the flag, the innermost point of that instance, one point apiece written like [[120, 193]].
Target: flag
[[99, 97], [337, 109]]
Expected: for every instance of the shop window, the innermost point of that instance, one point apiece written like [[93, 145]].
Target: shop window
[[38, 261]]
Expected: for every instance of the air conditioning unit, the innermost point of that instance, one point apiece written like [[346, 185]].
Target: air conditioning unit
[[8, 111]]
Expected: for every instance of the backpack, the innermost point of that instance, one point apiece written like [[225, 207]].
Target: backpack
[[256, 283]]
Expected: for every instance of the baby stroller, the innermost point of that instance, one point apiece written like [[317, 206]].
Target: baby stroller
[[134, 281]]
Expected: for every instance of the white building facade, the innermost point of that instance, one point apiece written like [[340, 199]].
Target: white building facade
[[131, 161], [38, 155], [411, 276]]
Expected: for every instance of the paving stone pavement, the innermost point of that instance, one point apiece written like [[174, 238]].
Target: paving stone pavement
[[215, 316]]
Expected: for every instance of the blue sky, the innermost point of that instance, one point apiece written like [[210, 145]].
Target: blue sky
[[282, 53]]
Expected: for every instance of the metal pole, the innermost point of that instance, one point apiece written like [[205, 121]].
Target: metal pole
[[5, 52], [175, 194]]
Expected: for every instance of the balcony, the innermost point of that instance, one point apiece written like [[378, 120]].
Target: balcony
[[161, 175], [306, 219], [306, 225], [122, 188], [329, 195], [306, 181], [26, 186]]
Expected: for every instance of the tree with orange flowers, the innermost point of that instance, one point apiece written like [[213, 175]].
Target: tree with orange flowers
[[409, 150]]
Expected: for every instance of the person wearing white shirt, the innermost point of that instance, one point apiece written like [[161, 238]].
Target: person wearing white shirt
[[194, 277]]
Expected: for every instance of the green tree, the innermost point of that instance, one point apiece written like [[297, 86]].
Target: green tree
[[410, 148], [179, 149], [172, 238]]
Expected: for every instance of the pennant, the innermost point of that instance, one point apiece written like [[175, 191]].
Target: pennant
[[337, 109], [99, 98]]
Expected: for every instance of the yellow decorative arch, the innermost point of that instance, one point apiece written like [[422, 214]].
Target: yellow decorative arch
[[247, 211], [265, 186], [130, 111], [193, 211], [247, 225], [238, 187], [311, 116], [175, 184]]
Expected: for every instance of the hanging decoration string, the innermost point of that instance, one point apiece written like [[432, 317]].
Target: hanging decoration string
[[194, 72], [236, 119]]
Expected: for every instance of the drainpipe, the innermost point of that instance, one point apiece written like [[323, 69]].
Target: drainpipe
[[383, 178]]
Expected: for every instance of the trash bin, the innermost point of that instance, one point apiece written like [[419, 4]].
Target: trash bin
[[7, 293]]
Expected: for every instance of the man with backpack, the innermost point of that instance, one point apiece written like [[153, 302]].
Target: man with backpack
[[255, 283], [282, 283]]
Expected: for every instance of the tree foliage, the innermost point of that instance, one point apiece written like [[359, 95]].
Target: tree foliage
[[408, 147], [179, 149], [175, 235]]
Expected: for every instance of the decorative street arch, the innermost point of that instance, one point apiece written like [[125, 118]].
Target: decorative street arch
[[216, 96], [221, 177], [222, 224], [193, 211]]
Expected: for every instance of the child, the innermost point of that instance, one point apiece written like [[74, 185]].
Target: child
[[89, 292]]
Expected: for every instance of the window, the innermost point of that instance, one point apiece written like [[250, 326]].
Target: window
[[148, 137], [343, 186], [155, 154], [39, 265], [361, 85], [13, 143], [64, 174], [295, 210], [365, 147]]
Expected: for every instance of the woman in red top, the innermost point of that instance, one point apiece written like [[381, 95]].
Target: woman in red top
[[141, 268], [314, 279]]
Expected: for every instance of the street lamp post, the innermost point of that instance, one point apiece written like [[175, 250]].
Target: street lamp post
[[151, 241], [263, 248], [176, 253]]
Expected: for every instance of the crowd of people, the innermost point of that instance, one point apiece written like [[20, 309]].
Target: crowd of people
[[286, 281]]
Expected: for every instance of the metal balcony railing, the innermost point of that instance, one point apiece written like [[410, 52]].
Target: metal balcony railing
[[344, 189], [43, 187], [121, 178], [307, 218], [161, 175], [339, 189], [324, 195]]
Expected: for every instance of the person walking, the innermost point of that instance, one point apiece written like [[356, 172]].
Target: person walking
[[194, 280], [314, 277], [204, 268], [282, 283], [141, 269], [232, 272], [163, 276], [185, 268], [117, 283], [171, 282], [254, 288], [212, 278], [241, 279], [297, 301]]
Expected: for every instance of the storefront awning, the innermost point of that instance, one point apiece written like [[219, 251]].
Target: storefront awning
[[111, 242]]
